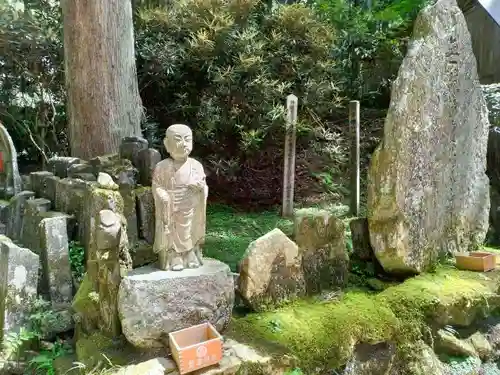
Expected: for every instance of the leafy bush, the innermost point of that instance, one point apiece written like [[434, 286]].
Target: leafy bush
[[373, 43], [32, 93], [225, 68], [492, 96]]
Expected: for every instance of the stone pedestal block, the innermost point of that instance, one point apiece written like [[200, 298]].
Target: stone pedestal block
[[153, 303]]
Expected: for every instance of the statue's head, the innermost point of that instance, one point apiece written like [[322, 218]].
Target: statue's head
[[178, 141]]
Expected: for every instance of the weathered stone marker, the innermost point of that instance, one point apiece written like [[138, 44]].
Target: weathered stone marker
[[289, 163], [18, 284], [428, 193], [10, 180], [55, 259]]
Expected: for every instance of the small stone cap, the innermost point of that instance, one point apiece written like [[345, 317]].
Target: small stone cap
[[108, 218], [105, 181]]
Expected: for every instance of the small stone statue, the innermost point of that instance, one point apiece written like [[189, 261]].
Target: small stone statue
[[180, 194], [112, 263]]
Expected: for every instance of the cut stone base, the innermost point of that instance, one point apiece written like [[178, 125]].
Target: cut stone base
[[153, 303]]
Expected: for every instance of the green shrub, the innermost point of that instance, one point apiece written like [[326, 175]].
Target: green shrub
[[373, 43], [225, 68], [32, 93]]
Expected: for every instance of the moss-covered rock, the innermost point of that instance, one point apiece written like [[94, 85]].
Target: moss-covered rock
[[449, 344], [481, 345], [321, 240], [86, 307], [418, 359], [271, 272], [146, 213], [323, 336], [95, 201]]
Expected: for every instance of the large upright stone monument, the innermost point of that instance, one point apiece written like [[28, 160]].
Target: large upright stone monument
[[428, 193]]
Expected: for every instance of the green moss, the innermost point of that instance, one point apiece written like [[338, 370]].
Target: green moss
[[319, 334], [141, 190], [323, 335], [103, 196], [83, 301], [94, 349], [86, 306], [229, 232], [252, 368]]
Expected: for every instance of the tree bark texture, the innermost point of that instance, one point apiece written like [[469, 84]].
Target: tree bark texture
[[104, 104]]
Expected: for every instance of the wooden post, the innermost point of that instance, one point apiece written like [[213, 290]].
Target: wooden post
[[289, 159], [355, 168]]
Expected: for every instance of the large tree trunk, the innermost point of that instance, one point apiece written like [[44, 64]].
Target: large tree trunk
[[103, 96]]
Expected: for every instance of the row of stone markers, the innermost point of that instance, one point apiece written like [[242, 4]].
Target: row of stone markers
[[62, 204], [68, 181]]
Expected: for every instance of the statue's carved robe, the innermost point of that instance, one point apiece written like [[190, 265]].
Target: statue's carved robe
[[181, 212]]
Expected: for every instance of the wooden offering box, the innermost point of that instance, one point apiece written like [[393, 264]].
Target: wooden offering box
[[196, 347], [476, 261]]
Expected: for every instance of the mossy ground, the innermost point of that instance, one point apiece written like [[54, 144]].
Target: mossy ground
[[229, 232], [322, 335]]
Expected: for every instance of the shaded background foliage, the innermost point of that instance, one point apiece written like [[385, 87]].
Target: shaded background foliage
[[225, 68]]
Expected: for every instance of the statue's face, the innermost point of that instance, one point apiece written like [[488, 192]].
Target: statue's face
[[179, 141]]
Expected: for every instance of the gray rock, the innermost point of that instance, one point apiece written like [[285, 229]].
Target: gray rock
[[16, 213], [421, 361], [271, 272], [41, 185], [146, 214], [147, 160], [18, 284], [34, 211], [371, 359], [361, 247], [130, 148], [85, 176], [55, 259], [428, 194], [447, 343], [153, 303], [105, 181], [61, 321], [69, 195], [482, 346], [121, 170], [130, 213], [80, 169], [59, 165]]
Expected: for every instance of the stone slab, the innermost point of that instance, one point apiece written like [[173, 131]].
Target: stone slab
[[18, 285], [153, 303]]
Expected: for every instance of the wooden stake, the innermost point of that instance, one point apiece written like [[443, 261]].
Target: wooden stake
[[355, 154], [289, 159]]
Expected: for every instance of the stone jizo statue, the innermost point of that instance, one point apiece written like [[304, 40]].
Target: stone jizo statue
[[180, 194]]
